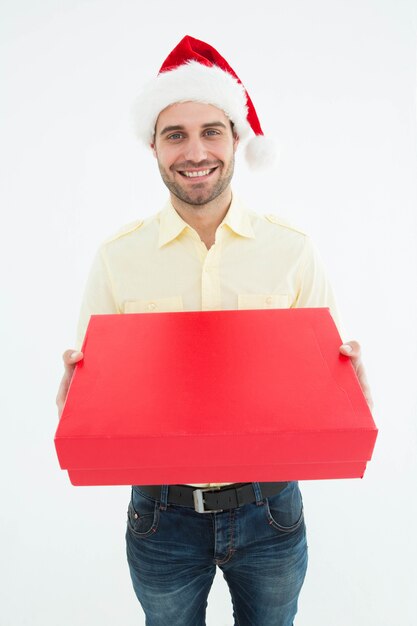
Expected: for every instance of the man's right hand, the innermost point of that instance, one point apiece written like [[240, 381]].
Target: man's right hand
[[70, 358]]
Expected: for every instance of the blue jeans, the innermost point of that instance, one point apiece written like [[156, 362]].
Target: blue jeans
[[261, 548]]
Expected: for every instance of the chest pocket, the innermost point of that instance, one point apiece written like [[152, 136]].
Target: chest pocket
[[156, 305], [263, 301]]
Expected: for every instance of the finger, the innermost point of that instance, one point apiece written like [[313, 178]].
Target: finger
[[351, 349], [72, 356]]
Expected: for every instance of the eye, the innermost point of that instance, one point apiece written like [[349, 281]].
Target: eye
[[212, 132], [175, 136]]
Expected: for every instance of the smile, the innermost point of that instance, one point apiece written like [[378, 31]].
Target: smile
[[197, 173]]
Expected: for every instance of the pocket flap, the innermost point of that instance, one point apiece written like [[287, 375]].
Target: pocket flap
[[155, 305], [263, 301]]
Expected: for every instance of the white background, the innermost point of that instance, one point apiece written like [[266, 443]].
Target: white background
[[334, 83]]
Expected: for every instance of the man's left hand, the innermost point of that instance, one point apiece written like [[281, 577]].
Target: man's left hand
[[352, 349]]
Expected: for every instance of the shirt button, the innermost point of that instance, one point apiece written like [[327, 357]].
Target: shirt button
[[269, 300], [152, 306]]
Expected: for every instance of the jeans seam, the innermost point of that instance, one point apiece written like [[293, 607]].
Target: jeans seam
[[231, 550]]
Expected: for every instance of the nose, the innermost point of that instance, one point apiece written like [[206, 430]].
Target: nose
[[195, 150]]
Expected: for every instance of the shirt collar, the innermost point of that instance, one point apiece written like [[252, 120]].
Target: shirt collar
[[238, 220], [171, 225]]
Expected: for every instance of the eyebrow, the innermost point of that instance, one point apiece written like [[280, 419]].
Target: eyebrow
[[169, 129]]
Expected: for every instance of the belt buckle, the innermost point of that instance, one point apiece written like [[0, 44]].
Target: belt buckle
[[199, 500]]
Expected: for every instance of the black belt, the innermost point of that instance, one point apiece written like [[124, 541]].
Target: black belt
[[213, 499]]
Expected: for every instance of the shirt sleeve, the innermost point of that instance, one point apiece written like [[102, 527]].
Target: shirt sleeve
[[314, 286], [98, 296]]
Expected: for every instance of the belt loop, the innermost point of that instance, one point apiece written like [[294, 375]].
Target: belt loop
[[258, 493], [164, 497]]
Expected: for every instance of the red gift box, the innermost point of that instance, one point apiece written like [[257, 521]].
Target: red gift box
[[214, 396]]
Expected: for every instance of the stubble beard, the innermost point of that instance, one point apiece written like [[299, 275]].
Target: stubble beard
[[199, 199]]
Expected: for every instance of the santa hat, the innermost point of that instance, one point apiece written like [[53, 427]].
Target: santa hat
[[195, 71]]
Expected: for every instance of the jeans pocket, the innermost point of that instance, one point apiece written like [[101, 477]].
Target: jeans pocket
[[284, 511], [142, 515]]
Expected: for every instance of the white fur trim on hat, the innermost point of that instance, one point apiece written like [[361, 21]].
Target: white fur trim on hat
[[260, 152], [193, 82]]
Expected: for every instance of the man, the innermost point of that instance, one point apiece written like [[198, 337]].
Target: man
[[205, 251]]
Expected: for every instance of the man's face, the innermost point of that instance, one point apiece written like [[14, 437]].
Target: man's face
[[195, 147]]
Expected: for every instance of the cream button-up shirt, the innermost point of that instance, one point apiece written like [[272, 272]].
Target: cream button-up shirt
[[161, 264]]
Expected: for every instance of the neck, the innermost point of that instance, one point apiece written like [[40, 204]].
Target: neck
[[204, 218]]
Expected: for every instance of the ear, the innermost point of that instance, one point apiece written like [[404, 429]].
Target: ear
[[152, 147], [236, 140]]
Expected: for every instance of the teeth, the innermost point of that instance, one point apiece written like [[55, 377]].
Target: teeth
[[196, 174]]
